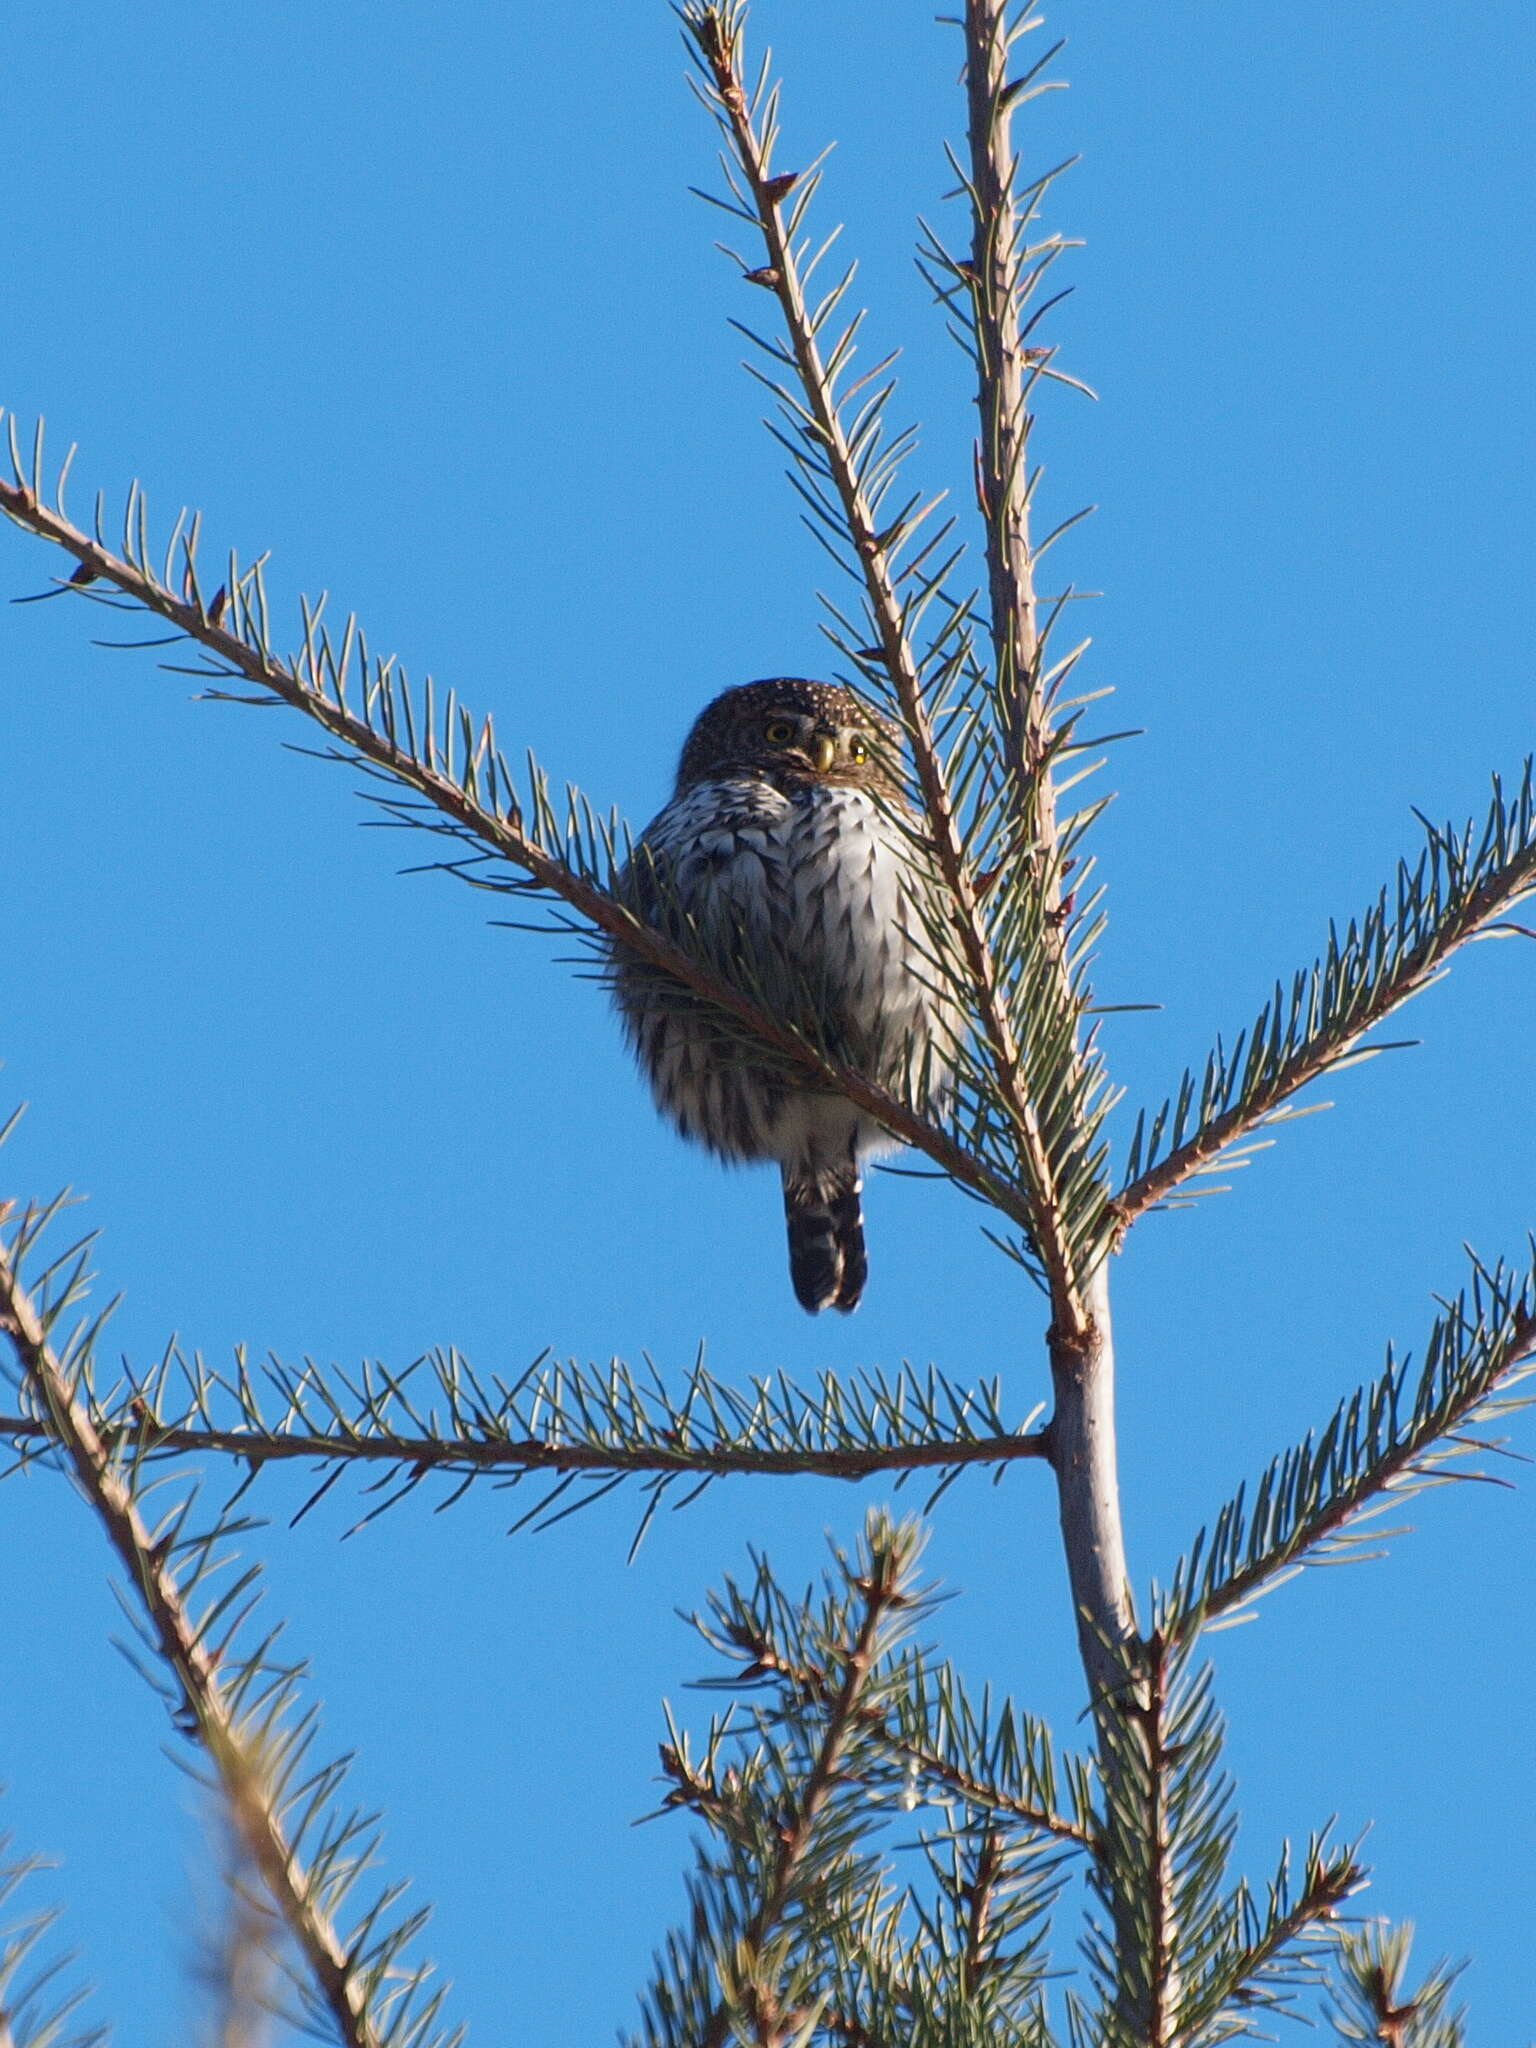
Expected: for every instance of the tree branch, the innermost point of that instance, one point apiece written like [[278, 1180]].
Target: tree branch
[[36, 2008], [1371, 2000], [455, 1456], [988, 1874], [1382, 1441], [187, 1654], [412, 745], [438, 1416], [1082, 1431], [716, 29], [882, 1593], [1460, 886], [811, 1684], [1004, 375], [1159, 1972], [1257, 1974]]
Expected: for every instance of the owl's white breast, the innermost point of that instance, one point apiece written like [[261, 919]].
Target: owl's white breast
[[852, 905], [823, 876], [819, 896]]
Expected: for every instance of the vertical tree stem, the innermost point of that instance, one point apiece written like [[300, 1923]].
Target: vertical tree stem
[[1081, 1436], [1082, 1433], [1002, 398], [1002, 451]]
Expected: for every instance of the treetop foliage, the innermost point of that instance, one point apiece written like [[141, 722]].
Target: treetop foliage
[[883, 1855]]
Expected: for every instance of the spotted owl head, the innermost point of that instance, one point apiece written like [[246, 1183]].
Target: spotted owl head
[[793, 732]]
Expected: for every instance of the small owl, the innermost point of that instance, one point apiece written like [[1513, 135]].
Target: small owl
[[787, 854]]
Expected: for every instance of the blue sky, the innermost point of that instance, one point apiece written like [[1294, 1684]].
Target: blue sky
[[416, 298]]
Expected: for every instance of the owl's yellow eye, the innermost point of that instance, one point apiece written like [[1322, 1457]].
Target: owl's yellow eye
[[778, 732], [858, 753]]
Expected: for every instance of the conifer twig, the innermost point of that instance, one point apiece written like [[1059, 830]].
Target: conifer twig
[[716, 28], [883, 1593], [810, 1683], [851, 1955], [37, 2009], [1082, 1429], [1408, 1430], [413, 745], [1371, 2002], [1202, 1952], [1157, 1974], [1328, 1885], [1459, 888], [186, 1653], [238, 1965]]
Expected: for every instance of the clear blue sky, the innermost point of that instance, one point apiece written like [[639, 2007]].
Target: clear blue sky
[[415, 297]]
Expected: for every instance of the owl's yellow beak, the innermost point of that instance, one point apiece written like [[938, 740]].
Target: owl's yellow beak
[[823, 752]]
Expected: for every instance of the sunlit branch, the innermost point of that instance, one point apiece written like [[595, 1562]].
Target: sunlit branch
[[927, 1761], [457, 1456], [717, 32], [402, 741], [1332, 1879], [190, 1656], [1406, 1431], [1458, 890]]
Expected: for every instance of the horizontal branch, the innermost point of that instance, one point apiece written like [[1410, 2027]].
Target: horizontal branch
[[455, 1456], [1457, 890], [439, 1418]]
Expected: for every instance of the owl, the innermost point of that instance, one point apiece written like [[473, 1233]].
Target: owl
[[789, 858]]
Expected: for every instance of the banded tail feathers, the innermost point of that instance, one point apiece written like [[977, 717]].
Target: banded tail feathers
[[825, 1219]]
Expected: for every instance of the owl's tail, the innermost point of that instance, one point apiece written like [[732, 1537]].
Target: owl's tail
[[827, 1265]]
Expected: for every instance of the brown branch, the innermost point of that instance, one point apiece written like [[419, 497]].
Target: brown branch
[[186, 1655], [1162, 1975], [1326, 1049], [874, 552], [881, 1591], [989, 1870], [457, 1455], [1402, 1461], [1330, 1887], [816, 1685], [504, 834]]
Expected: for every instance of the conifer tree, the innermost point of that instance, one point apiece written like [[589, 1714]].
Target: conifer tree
[[883, 1857]]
